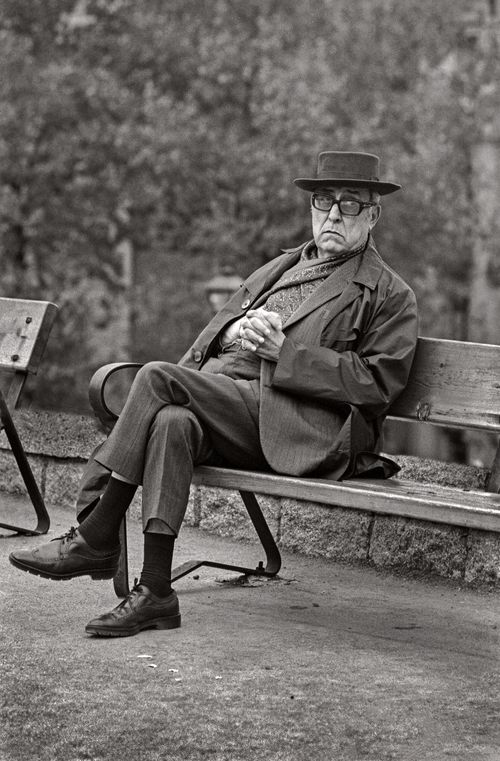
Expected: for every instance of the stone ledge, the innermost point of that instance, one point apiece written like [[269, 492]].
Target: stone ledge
[[58, 446], [54, 434]]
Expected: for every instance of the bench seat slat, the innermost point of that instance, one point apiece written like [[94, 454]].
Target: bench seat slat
[[432, 502]]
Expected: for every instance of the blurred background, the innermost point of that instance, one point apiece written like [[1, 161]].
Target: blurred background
[[147, 147]]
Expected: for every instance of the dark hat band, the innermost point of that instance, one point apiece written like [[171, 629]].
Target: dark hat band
[[327, 173]]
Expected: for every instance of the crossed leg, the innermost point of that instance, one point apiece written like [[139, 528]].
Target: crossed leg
[[173, 419]]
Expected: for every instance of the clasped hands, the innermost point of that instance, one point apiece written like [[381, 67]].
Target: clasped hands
[[260, 331]]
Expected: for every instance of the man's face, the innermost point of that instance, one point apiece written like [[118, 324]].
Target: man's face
[[336, 233]]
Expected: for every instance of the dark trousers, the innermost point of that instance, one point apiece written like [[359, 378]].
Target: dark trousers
[[175, 418]]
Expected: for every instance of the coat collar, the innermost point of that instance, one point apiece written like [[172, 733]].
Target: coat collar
[[371, 267], [335, 287], [263, 279], [368, 273]]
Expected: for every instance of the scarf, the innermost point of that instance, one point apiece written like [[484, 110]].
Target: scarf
[[301, 280]]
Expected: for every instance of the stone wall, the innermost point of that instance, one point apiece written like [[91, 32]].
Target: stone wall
[[59, 444]]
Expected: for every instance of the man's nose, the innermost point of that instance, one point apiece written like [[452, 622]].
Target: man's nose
[[334, 213]]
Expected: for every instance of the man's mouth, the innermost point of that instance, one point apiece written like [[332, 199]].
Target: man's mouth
[[333, 232]]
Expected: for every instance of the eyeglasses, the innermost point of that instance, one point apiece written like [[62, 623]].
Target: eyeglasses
[[347, 206]]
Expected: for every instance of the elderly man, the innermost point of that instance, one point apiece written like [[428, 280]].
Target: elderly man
[[297, 373]]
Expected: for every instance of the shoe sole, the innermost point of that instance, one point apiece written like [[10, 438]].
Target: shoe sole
[[171, 622], [96, 575]]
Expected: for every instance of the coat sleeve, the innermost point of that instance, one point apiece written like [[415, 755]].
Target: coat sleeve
[[370, 377]]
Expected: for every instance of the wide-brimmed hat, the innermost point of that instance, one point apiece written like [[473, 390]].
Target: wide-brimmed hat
[[347, 168]]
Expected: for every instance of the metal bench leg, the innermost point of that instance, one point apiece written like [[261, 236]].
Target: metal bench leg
[[494, 479], [43, 519], [273, 557], [120, 579]]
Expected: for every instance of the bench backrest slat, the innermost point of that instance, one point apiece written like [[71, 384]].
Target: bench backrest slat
[[24, 329], [453, 383]]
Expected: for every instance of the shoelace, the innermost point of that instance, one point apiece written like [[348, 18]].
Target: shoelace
[[126, 600], [68, 536]]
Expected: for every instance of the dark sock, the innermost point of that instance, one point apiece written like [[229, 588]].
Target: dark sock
[[100, 528], [157, 567], [83, 514]]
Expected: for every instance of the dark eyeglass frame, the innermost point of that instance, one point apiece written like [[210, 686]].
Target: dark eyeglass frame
[[340, 201]]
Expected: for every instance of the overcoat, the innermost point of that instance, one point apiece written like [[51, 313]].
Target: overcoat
[[347, 354]]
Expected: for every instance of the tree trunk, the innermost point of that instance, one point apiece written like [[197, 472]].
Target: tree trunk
[[479, 63], [484, 310], [484, 304]]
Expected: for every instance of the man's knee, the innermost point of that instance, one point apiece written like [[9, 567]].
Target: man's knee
[[174, 416], [161, 380], [151, 370]]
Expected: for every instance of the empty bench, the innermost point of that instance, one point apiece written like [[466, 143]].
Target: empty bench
[[452, 383]]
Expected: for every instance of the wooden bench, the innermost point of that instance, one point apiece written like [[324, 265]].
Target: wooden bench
[[452, 383], [24, 330]]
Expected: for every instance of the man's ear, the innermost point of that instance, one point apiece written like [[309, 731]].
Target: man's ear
[[375, 212]]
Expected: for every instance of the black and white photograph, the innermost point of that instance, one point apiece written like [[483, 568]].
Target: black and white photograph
[[250, 380]]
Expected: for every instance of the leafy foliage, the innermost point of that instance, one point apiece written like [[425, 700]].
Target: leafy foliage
[[144, 145]]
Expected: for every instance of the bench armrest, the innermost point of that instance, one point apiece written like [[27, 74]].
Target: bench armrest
[[97, 391]]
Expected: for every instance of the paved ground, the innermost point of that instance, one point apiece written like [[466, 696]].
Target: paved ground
[[327, 662]]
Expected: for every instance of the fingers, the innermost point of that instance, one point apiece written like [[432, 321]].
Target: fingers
[[274, 319], [250, 338], [254, 329], [247, 346], [270, 319], [259, 329]]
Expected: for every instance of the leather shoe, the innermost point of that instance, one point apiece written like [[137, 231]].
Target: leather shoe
[[141, 609], [66, 557]]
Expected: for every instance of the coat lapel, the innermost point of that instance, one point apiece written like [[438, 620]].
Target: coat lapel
[[259, 282], [341, 288]]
